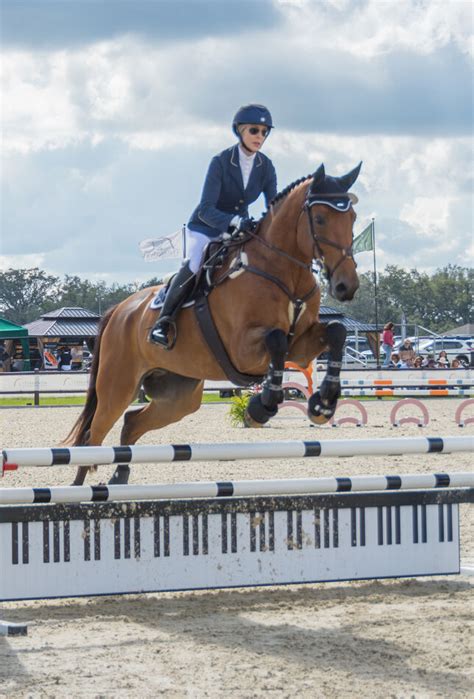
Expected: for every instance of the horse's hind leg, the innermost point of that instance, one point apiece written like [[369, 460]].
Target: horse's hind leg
[[264, 405], [173, 396], [322, 404], [112, 400]]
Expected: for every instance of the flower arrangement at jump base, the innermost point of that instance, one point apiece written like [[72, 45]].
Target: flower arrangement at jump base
[[238, 409]]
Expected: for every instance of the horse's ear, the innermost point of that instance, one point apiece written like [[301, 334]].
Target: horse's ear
[[318, 177], [346, 181]]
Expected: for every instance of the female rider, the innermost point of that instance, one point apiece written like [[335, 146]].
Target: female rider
[[235, 179]]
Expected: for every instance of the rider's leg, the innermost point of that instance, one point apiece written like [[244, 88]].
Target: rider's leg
[[179, 288]]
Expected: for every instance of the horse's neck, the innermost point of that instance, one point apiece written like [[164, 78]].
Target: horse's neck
[[280, 230]]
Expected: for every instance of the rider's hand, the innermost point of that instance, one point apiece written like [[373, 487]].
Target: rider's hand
[[238, 229], [247, 225]]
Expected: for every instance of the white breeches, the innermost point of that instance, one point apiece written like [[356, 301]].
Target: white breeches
[[195, 244]]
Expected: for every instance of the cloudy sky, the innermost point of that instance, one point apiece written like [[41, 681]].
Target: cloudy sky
[[112, 110]]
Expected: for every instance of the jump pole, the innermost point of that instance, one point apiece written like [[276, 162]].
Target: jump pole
[[244, 488], [84, 456]]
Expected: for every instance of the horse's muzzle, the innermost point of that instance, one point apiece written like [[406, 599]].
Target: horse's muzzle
[[341, 290]]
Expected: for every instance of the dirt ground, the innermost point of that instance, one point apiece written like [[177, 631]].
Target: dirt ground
[[393, 638]]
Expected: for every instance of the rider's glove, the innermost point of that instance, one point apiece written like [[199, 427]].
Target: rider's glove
[[239, 227], [247, 225]]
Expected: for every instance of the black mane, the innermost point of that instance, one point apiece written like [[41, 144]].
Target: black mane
[[288, 189], [278, 197]]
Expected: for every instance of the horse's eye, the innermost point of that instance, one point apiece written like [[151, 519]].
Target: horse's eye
[[319, 220]]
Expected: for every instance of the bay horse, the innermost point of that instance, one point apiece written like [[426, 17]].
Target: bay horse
[[265, 313]]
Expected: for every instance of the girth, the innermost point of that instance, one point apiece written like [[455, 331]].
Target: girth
[[215, 344]]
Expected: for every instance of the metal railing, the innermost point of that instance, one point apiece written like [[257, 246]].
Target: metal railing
[[352, 356]]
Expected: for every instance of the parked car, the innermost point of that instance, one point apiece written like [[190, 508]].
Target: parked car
[[455, 348]]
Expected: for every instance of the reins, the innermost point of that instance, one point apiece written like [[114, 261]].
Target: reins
[[298, 301]]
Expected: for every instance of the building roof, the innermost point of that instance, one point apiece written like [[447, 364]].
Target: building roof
[[10, 331], [65, 322], [351, 324], [80, 322], [467, 329], [71, 312]]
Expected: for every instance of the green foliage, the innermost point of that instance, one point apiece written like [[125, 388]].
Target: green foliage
[[24, 293], [238, 408], [154, 281], [438, 302]]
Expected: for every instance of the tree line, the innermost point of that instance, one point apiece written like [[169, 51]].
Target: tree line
[[437, 301]]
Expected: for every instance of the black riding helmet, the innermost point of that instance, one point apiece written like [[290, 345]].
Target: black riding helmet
[[252, 114]]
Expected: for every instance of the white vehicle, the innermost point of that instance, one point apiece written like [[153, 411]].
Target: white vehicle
[[455, 348]]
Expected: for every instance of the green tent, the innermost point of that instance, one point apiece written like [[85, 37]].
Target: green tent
[[11, 331]]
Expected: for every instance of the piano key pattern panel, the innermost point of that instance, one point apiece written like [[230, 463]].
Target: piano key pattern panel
[[109, 548]]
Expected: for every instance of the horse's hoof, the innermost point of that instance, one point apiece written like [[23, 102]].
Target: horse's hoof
[[320, 412], [120, 476], [318, 419], [258, 414], [250, 422]]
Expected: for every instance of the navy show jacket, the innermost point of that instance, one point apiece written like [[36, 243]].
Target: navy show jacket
[[223, 195]]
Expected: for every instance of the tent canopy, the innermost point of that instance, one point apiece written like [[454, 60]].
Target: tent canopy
[[11, 331]]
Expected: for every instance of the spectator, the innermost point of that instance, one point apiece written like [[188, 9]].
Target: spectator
[[456, 364], [407, 354], [76, 358], [429, 362], [443, 362], [418, 363], [394, 361], [4, 359], [387, 343], [64, 363], [36, 359]]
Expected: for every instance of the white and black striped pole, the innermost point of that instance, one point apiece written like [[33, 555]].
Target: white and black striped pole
[[251, 488], [85, 456]]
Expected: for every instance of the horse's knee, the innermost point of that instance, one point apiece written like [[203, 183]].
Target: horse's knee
[[336, 336], [277, 344]]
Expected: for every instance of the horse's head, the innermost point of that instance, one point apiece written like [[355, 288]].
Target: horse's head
[[329, 222]]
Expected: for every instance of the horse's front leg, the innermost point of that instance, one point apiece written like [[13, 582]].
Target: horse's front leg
[[322, 404], [264, 405]]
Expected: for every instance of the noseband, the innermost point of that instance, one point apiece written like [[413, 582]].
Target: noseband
[[346, 252]]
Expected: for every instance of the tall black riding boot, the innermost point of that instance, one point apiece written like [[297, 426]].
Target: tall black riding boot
[[180, 286]]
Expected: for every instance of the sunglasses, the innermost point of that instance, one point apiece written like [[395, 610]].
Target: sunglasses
[[254, 130]]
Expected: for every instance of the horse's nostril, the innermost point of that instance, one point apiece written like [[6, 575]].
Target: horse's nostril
[[341, 288]]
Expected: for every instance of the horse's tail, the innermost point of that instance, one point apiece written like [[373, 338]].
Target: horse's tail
[[80, 431]]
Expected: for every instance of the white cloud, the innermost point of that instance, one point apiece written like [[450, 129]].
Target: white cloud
[[21, 261], [429, 216], [107, 142], [380, 26]]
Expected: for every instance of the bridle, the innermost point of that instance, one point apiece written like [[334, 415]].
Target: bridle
[[346, 251], [318, 254]]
